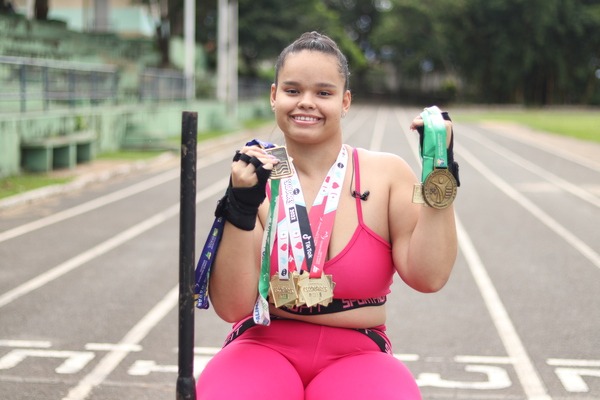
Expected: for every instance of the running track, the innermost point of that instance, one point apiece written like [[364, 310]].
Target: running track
[[88, 278]]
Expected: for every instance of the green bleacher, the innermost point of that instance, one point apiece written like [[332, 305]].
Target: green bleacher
[[52, 40]]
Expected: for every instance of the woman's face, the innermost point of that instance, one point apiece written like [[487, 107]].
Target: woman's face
[[310, 98]]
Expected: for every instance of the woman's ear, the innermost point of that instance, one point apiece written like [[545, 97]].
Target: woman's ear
[[273, 95], [347, 100]]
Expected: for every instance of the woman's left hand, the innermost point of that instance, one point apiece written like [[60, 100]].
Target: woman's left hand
[[418, 123]]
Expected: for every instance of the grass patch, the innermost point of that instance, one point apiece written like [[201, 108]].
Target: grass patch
[[130, 155], [13, 185], [580, 124]]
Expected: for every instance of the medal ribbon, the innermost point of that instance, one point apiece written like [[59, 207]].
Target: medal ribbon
[[209, 251], [330, 197], [261, 308], [309, 246], [202, 272], [289, 235], [433, 151]]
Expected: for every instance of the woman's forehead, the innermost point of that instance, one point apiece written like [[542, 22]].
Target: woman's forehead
[[308, 62]]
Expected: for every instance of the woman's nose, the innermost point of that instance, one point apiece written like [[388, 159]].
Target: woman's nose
[[306, 102]]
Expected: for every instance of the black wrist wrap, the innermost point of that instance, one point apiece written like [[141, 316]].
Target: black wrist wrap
[[239, 206]]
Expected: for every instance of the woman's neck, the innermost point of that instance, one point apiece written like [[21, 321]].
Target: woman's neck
[[314, 161]]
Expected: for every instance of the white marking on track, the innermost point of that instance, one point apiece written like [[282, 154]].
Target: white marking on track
[[533, 209], [104, 247], [112, 360]]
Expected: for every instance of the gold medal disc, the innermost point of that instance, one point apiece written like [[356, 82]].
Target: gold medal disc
[[439, 189]]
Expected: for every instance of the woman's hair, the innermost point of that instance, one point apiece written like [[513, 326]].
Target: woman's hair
[[314, 41]]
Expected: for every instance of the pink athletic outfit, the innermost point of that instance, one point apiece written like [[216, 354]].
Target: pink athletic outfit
[[298, 360]]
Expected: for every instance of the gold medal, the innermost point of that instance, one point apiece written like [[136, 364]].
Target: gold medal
[[298, 278], [439, 188], [283, 168], [283, 291], [316, 290]]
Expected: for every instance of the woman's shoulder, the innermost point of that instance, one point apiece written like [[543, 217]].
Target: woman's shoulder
[[382, 163]]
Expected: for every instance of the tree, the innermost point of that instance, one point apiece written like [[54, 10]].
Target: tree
[[536, 51], [262, 35], [359, 19], [409, 42]]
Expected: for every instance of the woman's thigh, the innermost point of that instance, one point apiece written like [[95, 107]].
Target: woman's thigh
[[249, 371], [370, 375]]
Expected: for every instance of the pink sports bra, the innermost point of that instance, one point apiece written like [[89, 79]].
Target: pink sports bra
[[363, 271]]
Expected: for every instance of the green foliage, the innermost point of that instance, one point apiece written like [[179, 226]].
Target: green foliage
[[266, 28], [493, 51], [534, 51]]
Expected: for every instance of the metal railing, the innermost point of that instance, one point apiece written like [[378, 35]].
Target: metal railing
[[162, 84], [29, 84]]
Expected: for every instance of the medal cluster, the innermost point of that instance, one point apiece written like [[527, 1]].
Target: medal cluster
[[301, 290]]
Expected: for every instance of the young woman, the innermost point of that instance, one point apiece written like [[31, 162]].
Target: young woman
[[313, 325]]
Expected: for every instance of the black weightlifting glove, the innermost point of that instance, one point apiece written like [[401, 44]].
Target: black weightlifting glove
[[239, 206], [452, 165]]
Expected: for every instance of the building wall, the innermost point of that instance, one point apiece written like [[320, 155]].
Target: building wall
[[122, 16]]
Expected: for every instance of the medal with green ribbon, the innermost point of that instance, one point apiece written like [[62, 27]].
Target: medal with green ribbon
[[439, 185]]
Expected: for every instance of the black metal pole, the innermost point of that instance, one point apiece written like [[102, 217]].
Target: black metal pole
[[186, 385]]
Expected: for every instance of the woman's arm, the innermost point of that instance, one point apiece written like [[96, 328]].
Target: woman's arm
[[424, 239], [233, 286]]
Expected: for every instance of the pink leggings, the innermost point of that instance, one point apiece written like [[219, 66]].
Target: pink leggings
[[296, 360]]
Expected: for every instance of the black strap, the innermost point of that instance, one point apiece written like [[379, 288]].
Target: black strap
[[373, 334]]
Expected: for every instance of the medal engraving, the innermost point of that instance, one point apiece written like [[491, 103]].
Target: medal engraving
[[283, 168], [283, 291], [418, 194], [316, 290], [439, 189]]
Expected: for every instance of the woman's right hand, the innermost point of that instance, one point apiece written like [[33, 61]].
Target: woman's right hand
[[246, 167]]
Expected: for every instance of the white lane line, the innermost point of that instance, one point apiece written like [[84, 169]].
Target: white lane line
[[565, 362], [537, 212], [89, 206], [32, 344], [107, 199], [528, 376], [104, 247], [133, 338], [536, 170], [537, 141], [530, 380]]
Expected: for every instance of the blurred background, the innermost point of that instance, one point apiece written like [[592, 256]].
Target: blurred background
[[82, 78]]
